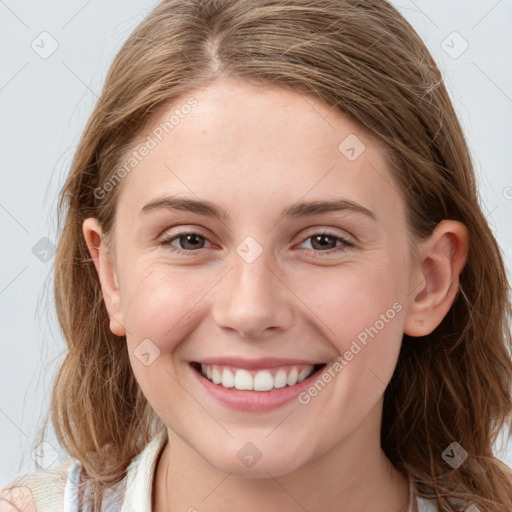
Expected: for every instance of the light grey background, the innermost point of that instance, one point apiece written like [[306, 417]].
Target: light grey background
[[45, 101]]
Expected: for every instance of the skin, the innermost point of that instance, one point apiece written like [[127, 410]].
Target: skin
[[252, 151]]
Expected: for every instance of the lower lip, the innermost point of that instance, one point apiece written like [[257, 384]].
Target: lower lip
[[254, 401]]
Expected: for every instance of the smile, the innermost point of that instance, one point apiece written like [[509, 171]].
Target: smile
[[254, 385], [256, 380]]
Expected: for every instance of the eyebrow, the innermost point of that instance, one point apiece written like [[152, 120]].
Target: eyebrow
[[299, 209]]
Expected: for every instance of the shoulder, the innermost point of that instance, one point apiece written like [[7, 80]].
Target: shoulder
[[63, 489], [40, 490], [17, 498], [424, 505]]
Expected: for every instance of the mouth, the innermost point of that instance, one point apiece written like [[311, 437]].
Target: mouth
[[259, 380]]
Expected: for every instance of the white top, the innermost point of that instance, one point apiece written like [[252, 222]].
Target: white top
[[55, 489]]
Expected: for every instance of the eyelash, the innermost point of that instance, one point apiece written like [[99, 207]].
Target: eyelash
[[345, 244]]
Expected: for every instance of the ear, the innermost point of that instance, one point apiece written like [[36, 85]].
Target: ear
[[106, 273], [435, 280]]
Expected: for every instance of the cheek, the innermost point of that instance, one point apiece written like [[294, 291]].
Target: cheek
[[351, 299], [360, 309], [158, 306], [158, 302]]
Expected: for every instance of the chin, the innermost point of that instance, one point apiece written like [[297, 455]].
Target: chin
[[250, 463]]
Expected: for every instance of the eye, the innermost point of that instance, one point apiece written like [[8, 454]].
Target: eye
[[188, 242], [325, 242]]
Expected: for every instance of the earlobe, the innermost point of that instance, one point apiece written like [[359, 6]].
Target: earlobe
[[107, 274], [436, 280]]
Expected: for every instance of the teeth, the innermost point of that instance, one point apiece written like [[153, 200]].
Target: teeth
[[260, 380], [243, 379], [228, 381], [216, 377], [280, 379], [302, 375], [263, 381], [291, 379]]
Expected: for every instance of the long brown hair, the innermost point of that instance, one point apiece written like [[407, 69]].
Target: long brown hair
[[363, 58]]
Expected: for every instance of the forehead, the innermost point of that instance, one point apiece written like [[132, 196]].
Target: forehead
[[242, 146]]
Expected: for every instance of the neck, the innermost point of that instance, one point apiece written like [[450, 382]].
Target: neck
[[353, 475]]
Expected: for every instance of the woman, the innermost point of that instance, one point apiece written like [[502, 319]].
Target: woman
[[366, 370]]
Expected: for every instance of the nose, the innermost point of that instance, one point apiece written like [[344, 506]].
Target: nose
[[253, 299]]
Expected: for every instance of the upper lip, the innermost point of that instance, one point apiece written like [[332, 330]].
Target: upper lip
[[254, 364]]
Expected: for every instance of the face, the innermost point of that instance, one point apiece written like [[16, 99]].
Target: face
[[304, 304]]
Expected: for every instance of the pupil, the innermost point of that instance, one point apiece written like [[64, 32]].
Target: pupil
[[191, 239], [322, 238]]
